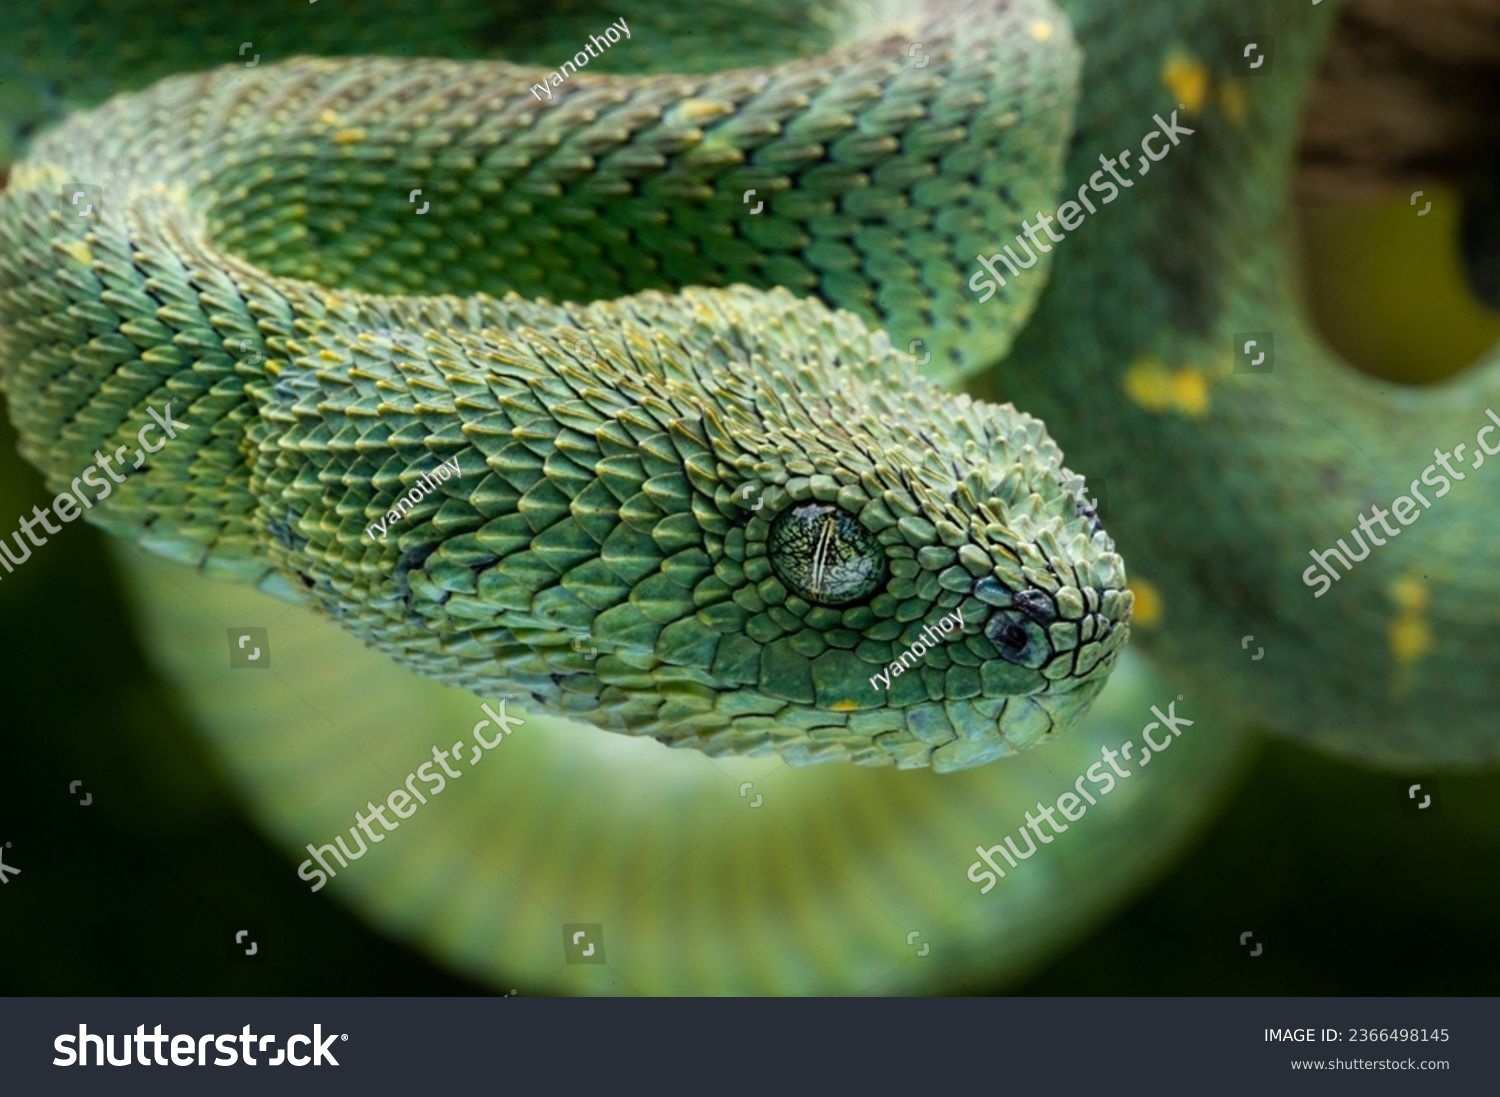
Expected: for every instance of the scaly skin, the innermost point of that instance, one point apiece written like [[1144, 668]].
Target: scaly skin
[[817, 890], [658, 477]]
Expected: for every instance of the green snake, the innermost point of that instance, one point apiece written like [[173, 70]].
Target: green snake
[[723, 493], [706, 491]]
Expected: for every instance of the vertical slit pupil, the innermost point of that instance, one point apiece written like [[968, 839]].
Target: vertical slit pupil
[[822, 554]]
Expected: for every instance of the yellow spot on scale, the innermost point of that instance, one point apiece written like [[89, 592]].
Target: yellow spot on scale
[[1149, 384], [1410, 638], [349, 137], [1410, 594], [1187, 79], [1154, 387], [1234, 102], [698, 111], [844, 706], [1409, 635], [1190, 391], [1147, 610], [330, 355], [1041, 30], [77, 249], [328, 118]]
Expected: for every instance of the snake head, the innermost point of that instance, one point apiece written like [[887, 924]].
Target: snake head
[[941, 581], [777, 535], [916, 574]]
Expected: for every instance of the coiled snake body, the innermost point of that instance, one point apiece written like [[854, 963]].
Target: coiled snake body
[[693, 506]]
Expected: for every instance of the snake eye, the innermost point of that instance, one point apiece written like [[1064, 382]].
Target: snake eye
[[824, 555], [1018, 638]]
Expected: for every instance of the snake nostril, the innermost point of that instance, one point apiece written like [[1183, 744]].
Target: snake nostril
[[1012, 639], [1018, 639]]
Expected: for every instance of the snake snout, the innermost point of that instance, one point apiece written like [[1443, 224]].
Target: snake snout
[[1056, 640]]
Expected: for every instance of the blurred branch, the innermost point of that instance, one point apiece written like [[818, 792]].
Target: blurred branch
[[1408, 95]]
